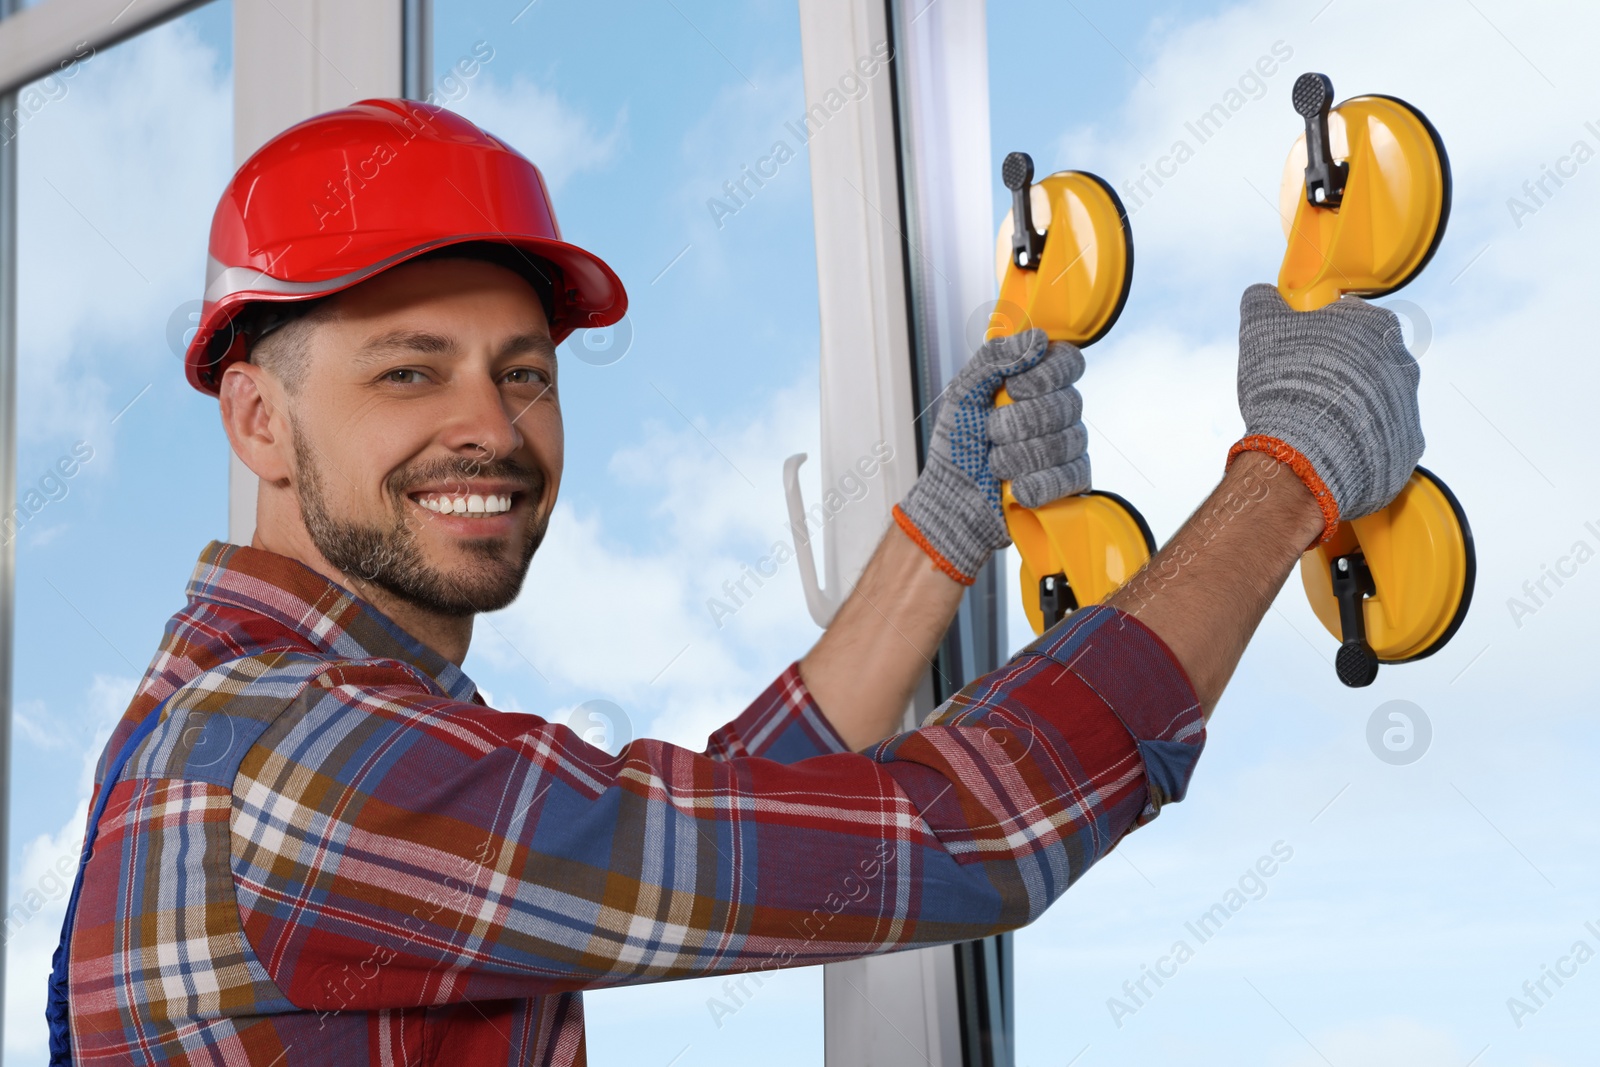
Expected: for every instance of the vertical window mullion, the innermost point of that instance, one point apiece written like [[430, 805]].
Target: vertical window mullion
[[944, 227]]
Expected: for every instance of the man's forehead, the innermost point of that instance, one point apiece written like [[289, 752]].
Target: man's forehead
[[395, 299]]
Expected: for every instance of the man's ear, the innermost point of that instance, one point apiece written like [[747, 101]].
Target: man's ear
[[256, 422]]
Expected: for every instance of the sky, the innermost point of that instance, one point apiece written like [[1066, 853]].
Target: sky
[[1419, 897], [1414, 899]]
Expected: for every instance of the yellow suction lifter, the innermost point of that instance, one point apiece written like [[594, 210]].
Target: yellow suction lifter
[[1365, 198], [1070, 278]]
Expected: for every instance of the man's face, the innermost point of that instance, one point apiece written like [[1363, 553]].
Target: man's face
[[427, 434]]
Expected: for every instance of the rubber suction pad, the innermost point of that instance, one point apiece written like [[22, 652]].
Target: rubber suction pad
[[1081, 282], [1423, 567], [1095, 542], [1391, 210]]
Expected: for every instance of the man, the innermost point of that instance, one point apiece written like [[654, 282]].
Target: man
[[314, 844]]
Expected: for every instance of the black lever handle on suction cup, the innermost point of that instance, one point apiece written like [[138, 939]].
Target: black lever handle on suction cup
[[1356, 663], [1056, 598], [1325, 179], [1027, 244]]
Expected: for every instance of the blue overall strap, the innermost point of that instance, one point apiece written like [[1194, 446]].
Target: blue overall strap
[[55, 1011]]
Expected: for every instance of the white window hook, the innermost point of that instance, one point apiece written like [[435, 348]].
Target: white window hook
[[822, 603]]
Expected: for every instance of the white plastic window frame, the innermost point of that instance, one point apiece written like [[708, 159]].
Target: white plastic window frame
[[902, 192]]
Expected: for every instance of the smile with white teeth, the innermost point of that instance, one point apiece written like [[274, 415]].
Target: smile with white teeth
[[465, 503]]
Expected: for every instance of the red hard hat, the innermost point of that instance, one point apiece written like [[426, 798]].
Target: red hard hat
[[344, 195]]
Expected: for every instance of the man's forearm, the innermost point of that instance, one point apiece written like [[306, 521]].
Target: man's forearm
[[863, 670], [1206, 591], [1204, 594]]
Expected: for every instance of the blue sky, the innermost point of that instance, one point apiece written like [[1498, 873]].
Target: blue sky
[[1414, 904]]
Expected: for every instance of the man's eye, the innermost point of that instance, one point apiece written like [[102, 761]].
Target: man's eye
[[402, 376], [526, 376]]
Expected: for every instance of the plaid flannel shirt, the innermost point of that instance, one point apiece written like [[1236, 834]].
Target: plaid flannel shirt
[[330, 851]]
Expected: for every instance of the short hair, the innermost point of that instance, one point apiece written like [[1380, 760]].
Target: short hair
[[278, 333]]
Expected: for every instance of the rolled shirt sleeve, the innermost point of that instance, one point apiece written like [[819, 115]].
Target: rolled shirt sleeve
[[784, 724]]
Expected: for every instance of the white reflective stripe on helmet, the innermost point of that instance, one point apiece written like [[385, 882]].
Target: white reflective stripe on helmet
[[223, 282]]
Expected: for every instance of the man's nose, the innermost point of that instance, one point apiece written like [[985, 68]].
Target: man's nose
[[481, 421]]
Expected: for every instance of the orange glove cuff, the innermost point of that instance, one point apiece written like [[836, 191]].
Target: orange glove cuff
[[903, 521], [1295, 461]]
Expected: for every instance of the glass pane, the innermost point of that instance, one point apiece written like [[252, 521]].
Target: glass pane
[[1328, 893], [651, 122], [122, 467]]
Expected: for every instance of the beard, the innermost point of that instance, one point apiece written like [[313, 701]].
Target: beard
[[390, 556]]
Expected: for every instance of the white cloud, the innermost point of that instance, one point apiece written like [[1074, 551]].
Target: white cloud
[[104, 265], [38, 903], [28, 716], [541, 125], [1499, 119], [38, 892], [748, 151], [1390, 1042]]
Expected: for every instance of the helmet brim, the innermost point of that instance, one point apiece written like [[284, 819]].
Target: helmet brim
[[587, 294]]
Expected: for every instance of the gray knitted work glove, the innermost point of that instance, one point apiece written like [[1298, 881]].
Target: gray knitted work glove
[[1037, 441], [1333, 394]]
